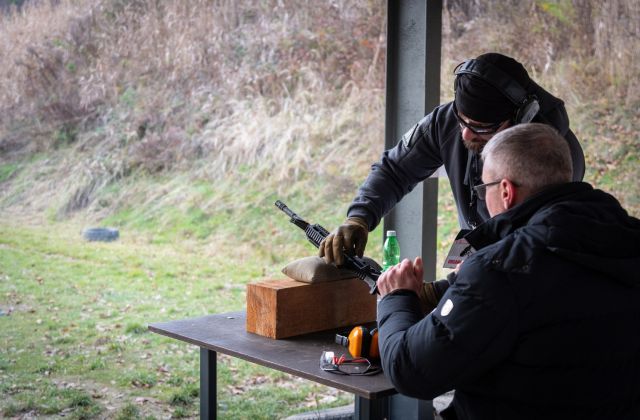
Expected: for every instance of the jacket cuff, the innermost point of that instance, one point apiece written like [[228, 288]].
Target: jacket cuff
[[362, 213]]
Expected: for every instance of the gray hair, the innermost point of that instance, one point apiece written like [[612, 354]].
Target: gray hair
[[531, 155]]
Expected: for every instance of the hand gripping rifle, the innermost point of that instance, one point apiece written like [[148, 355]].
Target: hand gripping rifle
[[315, 235]]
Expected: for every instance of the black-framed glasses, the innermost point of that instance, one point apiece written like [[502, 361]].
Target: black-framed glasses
[[483, 130], [481, 189], [341, 365]]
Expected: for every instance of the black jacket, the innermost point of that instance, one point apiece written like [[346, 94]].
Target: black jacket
[[435, 141], [542, 322]]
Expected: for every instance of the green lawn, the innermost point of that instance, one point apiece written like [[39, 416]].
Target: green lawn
[[74, 339], [73, 329]]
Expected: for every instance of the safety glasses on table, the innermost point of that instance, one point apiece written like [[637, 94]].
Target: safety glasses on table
[[329, 362]]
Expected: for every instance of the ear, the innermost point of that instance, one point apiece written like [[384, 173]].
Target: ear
[[508, 193]]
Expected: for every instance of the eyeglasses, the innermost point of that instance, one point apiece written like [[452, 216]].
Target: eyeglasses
[[481, 189], [479, 130], [343, 366]]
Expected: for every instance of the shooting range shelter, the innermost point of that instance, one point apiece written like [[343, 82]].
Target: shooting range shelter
[[414, 38], [414, 32]]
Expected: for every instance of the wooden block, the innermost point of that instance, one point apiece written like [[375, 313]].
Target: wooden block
[[285, 308]]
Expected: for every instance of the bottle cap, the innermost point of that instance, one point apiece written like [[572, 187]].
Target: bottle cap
[[391, 233]]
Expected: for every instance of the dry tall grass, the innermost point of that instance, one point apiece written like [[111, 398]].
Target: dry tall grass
[[146, 86], [584, 52], [596, 41], [153, 86], [159, 58]]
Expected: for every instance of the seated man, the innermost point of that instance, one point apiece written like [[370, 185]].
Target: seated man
[[542, 321]]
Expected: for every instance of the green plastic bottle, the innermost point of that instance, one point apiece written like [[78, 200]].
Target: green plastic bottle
[[390, 250]]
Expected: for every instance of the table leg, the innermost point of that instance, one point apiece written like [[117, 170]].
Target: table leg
[[403, 407], [208, 385], [366, 409]]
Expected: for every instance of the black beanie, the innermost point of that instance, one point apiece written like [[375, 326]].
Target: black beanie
[[479, 100]]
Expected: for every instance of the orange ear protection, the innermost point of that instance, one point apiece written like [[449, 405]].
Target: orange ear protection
[[361, 342]]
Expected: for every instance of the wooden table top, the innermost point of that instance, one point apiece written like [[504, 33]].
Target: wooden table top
[[299, 356]]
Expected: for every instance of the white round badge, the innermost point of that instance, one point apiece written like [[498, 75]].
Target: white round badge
[[446, 308]]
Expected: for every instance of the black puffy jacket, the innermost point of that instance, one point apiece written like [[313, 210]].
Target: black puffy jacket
[[542, 322], [436, 141]]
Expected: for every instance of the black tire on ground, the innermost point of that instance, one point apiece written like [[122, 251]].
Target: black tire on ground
[[101, 234]]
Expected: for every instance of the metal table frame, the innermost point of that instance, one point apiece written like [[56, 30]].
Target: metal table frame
[[299, 356]]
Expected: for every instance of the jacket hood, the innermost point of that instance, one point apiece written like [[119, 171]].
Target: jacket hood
[[580, 224], [552, 110]]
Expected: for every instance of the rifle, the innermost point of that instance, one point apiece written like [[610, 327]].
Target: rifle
[[316, 233]]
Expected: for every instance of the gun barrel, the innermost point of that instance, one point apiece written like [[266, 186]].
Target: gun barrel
[[284, 208], [294, 218], [316, 233]]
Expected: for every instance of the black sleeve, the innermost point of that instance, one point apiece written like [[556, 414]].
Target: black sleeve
[[415, 157], [472, 329]]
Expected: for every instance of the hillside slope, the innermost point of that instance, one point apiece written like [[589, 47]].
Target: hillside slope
[[103, 102]]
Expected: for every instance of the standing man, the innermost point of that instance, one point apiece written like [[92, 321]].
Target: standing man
[[492, 92], [542, 321]]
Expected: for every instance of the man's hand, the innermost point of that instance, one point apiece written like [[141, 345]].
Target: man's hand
[[407, 275], [458, 267], [349, 237]]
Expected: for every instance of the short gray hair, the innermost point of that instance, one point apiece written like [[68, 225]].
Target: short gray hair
[[531, 155]]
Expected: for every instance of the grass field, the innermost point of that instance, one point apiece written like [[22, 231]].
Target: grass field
[[73, 330]]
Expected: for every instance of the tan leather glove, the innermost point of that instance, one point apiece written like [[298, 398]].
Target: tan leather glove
[[428, 298], [350, 236], [431, 293]]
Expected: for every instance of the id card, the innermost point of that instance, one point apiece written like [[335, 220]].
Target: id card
[[459, 251]]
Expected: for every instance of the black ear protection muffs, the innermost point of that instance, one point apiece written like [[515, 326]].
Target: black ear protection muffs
[[527, 105], [361, 342]]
